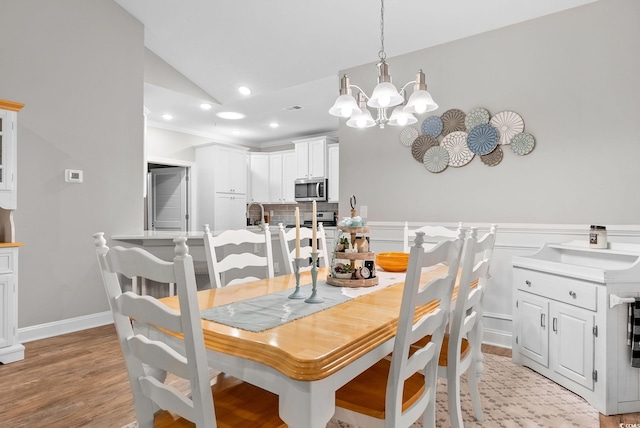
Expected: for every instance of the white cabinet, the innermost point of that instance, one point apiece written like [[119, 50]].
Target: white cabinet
[[556, 335], [333, 165], [230, 173], [272, 177], [565, 327], [10, 348], [221, 187], [259, 177], [282, 170], [229, 211], [311, 157]]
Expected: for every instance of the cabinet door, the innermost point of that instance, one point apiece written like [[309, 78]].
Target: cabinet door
[[7, 303], [532, 331], [221, 169], [259, 178], [288, 176], [302, 160], [572, 341], [317, 158], [238, 171], [275, 178], [333, 173], [229, 212]]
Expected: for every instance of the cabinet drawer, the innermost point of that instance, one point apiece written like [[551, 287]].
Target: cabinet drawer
[[6, 262], [563, 289]]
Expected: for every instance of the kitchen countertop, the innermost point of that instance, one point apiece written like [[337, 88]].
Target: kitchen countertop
[[150, 236]]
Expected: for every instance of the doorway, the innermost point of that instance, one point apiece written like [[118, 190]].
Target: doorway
[[168, 198]]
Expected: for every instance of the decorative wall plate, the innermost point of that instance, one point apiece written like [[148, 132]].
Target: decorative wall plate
[[482, 139], [452, 121], [420, 146], [432, 126], [522, 144], [508, 124], [477, 116], [436, 159], [493, 158], [456, 145], [407, 135]]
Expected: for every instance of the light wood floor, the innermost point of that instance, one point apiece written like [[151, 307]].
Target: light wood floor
[[79, 380]]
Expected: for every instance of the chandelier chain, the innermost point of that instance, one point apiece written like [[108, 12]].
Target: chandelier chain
[[381, 54]]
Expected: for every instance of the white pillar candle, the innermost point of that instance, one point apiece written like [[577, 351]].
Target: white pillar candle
[[314, 226], [297, 233]]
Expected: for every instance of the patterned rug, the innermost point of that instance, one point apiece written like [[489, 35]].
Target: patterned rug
[[512, 397]]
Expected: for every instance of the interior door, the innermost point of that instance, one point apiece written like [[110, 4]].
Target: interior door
[[168, 197]]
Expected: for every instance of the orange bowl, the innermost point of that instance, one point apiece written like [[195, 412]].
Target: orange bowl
[[393, 262]]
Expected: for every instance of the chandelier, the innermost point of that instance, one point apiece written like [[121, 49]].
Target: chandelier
[[384, 96]]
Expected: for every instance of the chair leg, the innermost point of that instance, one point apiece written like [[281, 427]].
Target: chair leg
[[453, 392], [476, 369], [431, 375]]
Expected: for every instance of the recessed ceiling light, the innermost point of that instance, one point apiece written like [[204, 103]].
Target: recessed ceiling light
[[236, 132], [244, 90], [167, 116], [274, 124], [233, 115], [206, 106]]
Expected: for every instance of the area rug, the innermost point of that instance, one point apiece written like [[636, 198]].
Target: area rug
[[512, 397]]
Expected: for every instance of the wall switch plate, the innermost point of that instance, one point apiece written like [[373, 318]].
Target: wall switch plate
[[73, 176]]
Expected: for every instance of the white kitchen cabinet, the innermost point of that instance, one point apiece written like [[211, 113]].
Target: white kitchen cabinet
[[565, 328], [282, 170], [230, 173], [10, 348], [333, 166], [221, 177], [259, 177], [229, 211], [311, 157]]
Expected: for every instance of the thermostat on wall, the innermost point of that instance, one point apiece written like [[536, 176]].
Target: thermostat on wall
[[73, 176]]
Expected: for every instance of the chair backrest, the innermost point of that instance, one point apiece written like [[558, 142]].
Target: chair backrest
[[467, 315], [412, 328], [236, 249], [288, 246], [436, 233], [144, 356]]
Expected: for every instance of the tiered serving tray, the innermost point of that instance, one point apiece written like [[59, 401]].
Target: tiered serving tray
[[355, 232]]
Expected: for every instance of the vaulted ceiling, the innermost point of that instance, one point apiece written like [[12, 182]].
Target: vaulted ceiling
[[289, 52]]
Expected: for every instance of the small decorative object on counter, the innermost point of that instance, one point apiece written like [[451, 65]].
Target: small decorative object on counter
[[598, 237]]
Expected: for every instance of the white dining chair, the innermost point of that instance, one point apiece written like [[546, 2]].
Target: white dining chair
[[462, 346], [148, 360], [288, 246], [433, 233], [398, 391], [240, 253]]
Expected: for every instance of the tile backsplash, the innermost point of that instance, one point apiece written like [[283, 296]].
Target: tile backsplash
[[285, 213]]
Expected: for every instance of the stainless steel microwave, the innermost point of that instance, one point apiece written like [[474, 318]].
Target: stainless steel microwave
[[311, 189]]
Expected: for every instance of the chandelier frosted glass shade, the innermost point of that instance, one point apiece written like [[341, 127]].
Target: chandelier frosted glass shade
[[361, 120], [400, 117], [385, 95], [345, 106], [420, 102]]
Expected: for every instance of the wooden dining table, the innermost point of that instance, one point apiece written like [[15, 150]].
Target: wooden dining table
[[306, 360]]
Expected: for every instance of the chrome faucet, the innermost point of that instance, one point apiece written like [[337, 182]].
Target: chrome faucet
[[261, 212]]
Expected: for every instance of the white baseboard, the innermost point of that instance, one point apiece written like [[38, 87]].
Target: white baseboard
[[51, 329], [497, 338]]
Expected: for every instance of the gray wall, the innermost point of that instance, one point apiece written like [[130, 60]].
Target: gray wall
[[572, 76], [78, 67]]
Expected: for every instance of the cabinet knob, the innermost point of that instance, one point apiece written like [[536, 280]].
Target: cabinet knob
[[572, 294], [528, 283]]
